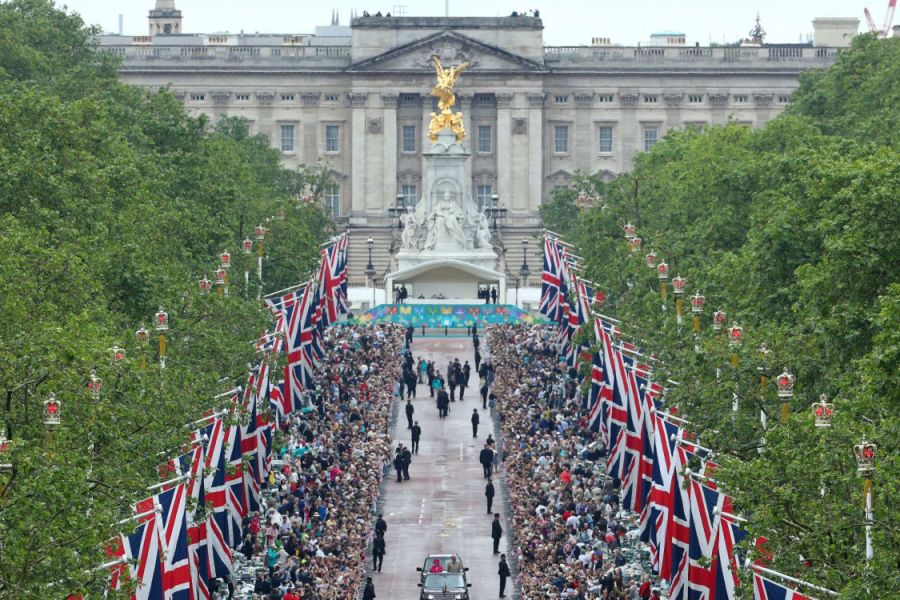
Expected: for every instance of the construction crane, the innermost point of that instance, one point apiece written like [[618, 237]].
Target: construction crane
[[885, 31]]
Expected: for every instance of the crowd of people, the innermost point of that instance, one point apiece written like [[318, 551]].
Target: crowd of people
[[309, 539], [571, 538]]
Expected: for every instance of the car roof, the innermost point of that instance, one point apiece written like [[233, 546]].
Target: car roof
[[444, 556]]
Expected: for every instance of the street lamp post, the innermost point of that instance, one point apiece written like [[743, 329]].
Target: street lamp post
[[524, 271], [398, 210], [865, 465], [495, 211], [224, 265], [260, 238], [785, 385], [161, 324], [370, 268], [247, 249]]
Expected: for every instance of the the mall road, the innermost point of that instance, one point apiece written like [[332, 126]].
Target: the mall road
[[442, 508]]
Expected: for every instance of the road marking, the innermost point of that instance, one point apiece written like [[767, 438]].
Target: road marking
[[422, 512], [460, 452]]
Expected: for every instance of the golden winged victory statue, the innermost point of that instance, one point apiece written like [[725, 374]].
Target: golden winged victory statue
[[443, 91]]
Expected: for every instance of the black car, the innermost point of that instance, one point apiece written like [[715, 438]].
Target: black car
[[445, 586]]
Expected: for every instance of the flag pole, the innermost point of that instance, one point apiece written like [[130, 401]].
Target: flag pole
[[168, 482], [793, 580], [237, 389], [156, 509], [215, 415], [288, 289]]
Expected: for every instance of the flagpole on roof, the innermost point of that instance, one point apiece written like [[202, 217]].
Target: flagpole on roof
[[793, 579]]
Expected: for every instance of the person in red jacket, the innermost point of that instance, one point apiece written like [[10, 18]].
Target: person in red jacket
[[644, 590]]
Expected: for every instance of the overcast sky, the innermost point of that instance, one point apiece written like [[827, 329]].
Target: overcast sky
[[566, 22]]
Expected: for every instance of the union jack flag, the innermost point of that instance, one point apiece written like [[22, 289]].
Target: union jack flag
[[550, 280], [115, 549], [595, 398], [141, 550], [176, 568], [725, 566], [678, 527], [662, 497], [766, 589]]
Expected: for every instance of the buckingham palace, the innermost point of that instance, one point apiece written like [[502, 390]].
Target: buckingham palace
[[358, 97]]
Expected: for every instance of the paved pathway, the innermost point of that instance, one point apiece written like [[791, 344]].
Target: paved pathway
[[441, 509]]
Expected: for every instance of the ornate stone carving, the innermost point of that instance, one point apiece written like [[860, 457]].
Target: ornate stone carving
[[445, 225], [220, 98], [374, 124], [448, 51], [718, 99], [628, 98], [584, 99], [520, 125], [763, 99], [504, 100], [673, 99], [310, 99], [265, 98], [536, 100], [180, 96], [358, 99], [389, 100]]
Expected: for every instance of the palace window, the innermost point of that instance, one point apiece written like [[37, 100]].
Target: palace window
[[651, 136], [783, 99], [332, 196], [484, 139], [331, 97], [198, 97], [332, 139], [287, 97], [287, 138], [605, 135], [650, 98], [606, 98], [409, 196], [242, 97], [561, 139], [562, 99], [741, 98], [483, 195], [695, 98], [408, 139]]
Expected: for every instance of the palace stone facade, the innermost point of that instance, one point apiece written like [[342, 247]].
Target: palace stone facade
[[358, 97]]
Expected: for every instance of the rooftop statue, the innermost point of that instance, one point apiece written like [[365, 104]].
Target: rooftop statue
[[443, 91]]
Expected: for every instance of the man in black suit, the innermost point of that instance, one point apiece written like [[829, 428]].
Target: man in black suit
[[496, 532]]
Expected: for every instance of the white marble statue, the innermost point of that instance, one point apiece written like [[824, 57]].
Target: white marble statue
[[410, 238], [483, 233], [445, 224]]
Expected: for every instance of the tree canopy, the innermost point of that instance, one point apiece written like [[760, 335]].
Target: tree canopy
[[114, 202], [791, 230]]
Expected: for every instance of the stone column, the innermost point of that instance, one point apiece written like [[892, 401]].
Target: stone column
[[389, 187], [586, 145], [308, 131], [504, 147], [464, 104], [535, 151], [358, 102]]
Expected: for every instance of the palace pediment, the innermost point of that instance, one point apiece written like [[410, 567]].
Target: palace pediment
[[452, 48]]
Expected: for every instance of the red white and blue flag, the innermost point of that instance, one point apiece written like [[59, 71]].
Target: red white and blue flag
[[142, 553], [550, 280], [766, 589]]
